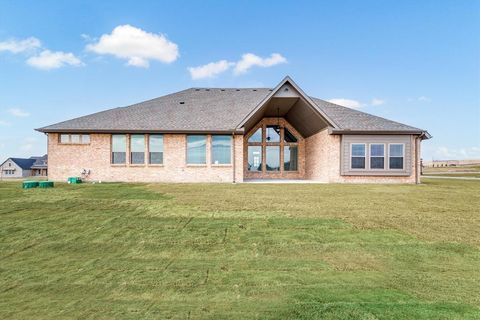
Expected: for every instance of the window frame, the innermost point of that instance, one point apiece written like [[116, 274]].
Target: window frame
[[69, 136], [212, 160], [261, 158], [370, 156], [365, 156], [126, 149], [149, 160], [403, 156], [130, 142]]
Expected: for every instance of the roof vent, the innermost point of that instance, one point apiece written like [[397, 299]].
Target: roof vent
[[182, 102], [197, 89], [238, 89], [254, 89], [222, 89], [207, 89]]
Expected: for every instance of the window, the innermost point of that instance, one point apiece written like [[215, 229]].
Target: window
[[272, 155], [155, 145], [273, 134], [290, 158], [396, 156], [221, 149], [288, 136], [137, 149], [75, 138], [377, 156], [256, 136], [254, 158], [64, 138], [119, 149], [196, 149], [358, 156]]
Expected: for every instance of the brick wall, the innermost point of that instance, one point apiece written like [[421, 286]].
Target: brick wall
[[69, 160], [322, 162]]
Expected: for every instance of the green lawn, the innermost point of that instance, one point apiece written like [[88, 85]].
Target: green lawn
[[246, 251]]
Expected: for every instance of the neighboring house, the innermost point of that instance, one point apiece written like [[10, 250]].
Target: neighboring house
[[235, 135], [39, 167], [16, 168]]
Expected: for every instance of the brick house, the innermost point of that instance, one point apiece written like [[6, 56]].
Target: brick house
[[235, 135]]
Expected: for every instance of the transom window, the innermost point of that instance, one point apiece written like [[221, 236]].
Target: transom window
[[272, 148], [74, 138]]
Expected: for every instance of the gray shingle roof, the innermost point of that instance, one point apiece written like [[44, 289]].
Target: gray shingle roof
[[25, 164], [209, 109]]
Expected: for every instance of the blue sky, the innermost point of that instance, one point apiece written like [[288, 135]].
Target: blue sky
[[416, 62]]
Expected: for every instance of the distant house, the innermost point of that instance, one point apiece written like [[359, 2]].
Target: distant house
[[235, 135], [39, 167], [24, 167]]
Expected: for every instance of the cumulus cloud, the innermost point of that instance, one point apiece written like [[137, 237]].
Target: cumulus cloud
[[209, 70], [377, 102], [349, 103], [247, 61], [136, 46], [18, 46], [47, 60], [16, 112], [250, 60]]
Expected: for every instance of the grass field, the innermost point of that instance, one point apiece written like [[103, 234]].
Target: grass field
[[246, 251], [470, 171]]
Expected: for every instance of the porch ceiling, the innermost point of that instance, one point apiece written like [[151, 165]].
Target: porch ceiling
[[298, 112]]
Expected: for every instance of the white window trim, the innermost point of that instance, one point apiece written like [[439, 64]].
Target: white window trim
[[403, 156], [365, 156], [370, 156]]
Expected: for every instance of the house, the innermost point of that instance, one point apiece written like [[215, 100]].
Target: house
[[16, 167], [39, 167], [235, 135]]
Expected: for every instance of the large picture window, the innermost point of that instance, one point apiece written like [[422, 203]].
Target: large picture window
[[358, 156], [119, 149], [196, 149], [377, 156], [137, 149], [221, 149], [276, 143], [155, 146], [396, 155]]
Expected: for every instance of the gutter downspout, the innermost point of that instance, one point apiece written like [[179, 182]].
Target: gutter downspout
[[417, 160], [233, 160]]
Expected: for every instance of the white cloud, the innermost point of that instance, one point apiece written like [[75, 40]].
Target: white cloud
[[346, 103], [424, 99], [377, 102], [16, 112], [250, 60], [209, 70], [18, 46], [47, 60], [135, 45], [4, 123], [445, 153]]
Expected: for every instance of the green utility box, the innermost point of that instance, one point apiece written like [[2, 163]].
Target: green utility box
[[74, 180], [29, 184], [45, 184]]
